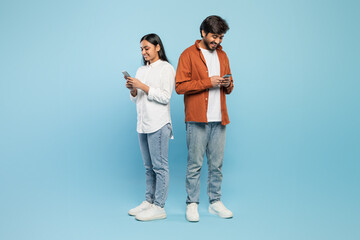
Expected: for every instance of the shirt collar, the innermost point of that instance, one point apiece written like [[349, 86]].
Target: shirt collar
[[154, 64], [219, 47]]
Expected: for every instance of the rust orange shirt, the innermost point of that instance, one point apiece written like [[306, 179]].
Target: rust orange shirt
[[192, 80]]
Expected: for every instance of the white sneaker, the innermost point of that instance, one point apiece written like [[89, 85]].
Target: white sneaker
[[143, 206], [219, 209], [152, 213], [192, 214]]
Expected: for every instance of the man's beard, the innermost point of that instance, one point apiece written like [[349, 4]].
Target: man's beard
[[208, 45]]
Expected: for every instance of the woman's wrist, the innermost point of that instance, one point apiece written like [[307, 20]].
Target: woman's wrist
[[144, 87], [133, 92]]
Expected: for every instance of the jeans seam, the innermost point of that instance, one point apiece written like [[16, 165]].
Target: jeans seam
[[162, 164], [161, 193]]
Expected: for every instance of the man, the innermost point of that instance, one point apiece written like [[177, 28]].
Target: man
[[198, 77]]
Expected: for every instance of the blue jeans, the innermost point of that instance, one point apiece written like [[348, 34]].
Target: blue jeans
[[201, 138], [154, 149]]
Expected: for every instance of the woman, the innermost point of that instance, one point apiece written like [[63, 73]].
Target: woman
[[151, 90]]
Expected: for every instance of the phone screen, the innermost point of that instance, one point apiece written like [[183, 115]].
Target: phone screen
[[126, 74]]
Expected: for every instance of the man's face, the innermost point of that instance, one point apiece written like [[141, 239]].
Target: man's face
[[212, 40]]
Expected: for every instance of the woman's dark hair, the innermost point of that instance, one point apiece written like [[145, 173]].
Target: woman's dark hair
[[214, 24], [155, 40]]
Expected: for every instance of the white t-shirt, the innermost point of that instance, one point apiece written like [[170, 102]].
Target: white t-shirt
[[214, 104], [153, 110]]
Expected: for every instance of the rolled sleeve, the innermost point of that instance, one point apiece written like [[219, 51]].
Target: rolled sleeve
[[133, 99]]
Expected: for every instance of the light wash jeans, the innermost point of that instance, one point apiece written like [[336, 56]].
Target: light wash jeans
[[154, 149], [201, 138]]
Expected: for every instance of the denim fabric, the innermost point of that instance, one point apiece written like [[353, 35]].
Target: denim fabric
[[210, 139], [154, 149]]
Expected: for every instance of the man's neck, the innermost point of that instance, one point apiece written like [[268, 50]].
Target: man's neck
[[202, 45]]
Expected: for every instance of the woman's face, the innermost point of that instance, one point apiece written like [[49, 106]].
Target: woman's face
[[149, 51]]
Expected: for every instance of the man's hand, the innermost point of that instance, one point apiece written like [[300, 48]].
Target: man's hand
[[216, 81], [226, 82]]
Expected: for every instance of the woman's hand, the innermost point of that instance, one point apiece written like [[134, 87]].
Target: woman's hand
[[129, 86], [135, 83]]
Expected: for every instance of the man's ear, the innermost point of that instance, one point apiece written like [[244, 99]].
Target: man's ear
[[203, 34]]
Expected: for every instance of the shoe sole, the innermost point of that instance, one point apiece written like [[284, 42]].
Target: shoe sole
[[195, 220], [216, 213], [134, 214], [151, 219]]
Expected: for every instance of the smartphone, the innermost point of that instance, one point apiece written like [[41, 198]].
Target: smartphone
[[227, 76], [126, 74]]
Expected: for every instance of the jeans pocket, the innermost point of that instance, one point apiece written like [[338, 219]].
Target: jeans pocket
[[169, 127], [188, 127]]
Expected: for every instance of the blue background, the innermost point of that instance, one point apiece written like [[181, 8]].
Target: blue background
[[70, 162]]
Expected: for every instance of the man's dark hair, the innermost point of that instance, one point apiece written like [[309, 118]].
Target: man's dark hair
[[214, 24], [155, 40]]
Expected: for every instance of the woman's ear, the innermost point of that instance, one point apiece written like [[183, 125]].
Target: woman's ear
[[158, 48]]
